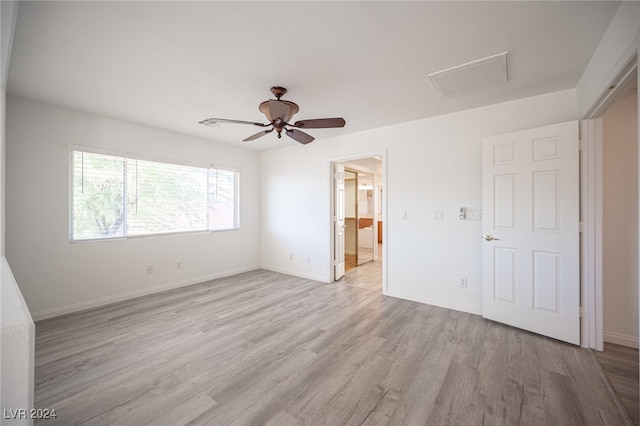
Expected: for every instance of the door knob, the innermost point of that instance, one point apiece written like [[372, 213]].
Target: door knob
[[489, 237]]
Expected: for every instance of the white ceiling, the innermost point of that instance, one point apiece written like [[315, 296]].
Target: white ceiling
[[172, 64]]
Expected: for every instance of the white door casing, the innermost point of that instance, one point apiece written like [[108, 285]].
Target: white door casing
[[338, 221], [531, 264]]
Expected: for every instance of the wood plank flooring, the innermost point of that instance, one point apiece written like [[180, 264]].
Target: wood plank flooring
[[368, 275], [620, 365], [266, 348]]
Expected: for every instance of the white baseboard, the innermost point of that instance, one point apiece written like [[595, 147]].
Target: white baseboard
[[620, 339], [471, 309], [94, 303], [299, 274]]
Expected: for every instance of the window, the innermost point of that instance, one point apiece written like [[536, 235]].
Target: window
[[117, 196]]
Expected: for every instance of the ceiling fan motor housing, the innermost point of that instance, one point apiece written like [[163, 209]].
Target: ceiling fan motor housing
[[278, 91], [274, 110]]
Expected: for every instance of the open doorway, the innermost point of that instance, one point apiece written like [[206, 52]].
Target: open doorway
[[363, 223], [610, 244], [619, 358], [620, 220]]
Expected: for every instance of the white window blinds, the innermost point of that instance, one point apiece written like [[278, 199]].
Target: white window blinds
[[98, 208], [160, 197], [223, 193]]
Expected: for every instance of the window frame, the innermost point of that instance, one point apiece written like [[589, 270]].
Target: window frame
[[135, 156]]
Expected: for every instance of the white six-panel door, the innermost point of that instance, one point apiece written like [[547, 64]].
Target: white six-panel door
[[531, 230]]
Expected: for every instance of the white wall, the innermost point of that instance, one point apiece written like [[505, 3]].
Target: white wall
[[620, 222], [3, 116], [17, 331], [56, 276], [17, 349], [613, 51], [432, 164]]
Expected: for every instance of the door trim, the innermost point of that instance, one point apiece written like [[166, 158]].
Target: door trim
[[591, 236], [385, 208]]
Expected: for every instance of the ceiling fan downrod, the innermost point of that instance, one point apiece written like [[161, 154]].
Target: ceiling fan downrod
[[278, 91]]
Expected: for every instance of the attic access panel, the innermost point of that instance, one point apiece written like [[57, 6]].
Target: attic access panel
[[475, 75]]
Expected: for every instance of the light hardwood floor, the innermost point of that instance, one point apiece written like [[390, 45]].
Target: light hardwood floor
[[266, 348], [620, 365], [368, 275]]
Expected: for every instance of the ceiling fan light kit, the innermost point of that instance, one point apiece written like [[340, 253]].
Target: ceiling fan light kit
[[279, 112]]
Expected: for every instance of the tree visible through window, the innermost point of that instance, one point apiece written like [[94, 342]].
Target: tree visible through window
[[115, 197]]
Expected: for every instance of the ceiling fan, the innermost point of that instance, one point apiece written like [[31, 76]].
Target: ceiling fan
[[278, 113]]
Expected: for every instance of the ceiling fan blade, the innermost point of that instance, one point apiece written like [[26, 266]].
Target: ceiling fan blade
[[320, 123], [213, 121], [258, 135], [300, 136]]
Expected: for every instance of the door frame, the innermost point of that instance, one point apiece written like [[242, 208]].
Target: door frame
[[357, 210], [382, 154], [346, 169], [591, 203]]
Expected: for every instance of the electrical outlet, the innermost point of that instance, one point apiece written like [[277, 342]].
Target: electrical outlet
[[462, 283], [308, 259], [178, 264], [149, 269], [291, 257]]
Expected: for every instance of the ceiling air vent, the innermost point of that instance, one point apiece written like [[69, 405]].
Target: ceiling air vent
[[474, 75]]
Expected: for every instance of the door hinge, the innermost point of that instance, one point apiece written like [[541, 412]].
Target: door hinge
[[580, 226], [581, 144], [581, 311]]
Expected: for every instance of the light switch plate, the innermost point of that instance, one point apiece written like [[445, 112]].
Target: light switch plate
[[474, 215]]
